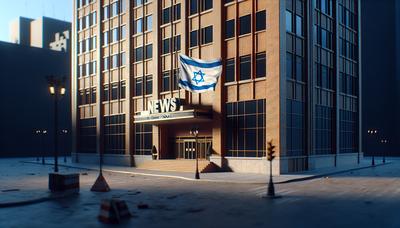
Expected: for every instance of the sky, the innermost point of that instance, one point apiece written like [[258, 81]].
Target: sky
[[11, 9]]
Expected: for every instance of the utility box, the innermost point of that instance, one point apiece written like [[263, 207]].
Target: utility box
[[64, 182]]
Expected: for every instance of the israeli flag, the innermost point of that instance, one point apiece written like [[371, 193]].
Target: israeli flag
[[198, 76]]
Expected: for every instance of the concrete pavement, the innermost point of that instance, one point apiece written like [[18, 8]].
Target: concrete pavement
[[220, 177]]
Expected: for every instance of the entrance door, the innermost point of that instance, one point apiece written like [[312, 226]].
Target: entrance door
[[185, 147]]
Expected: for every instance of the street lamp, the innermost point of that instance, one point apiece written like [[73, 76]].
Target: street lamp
[[38, 133], [65, 132], [372, 132], [56, 89], [44, 133], [195, 133], [384, 142]]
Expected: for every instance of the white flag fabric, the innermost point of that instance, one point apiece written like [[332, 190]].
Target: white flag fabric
[[198, 76]]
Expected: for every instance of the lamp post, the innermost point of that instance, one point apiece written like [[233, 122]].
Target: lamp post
[[195, 133], [56, 89], [384, 142], [38, 133], [44, 132], [64, 132], [372, 133]]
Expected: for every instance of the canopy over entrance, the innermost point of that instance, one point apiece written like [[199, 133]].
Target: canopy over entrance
[[185, 116]]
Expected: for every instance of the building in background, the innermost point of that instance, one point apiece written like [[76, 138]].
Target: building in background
[[291, 75], [381, 76], [27, 104], [20, 31], [43, 32]]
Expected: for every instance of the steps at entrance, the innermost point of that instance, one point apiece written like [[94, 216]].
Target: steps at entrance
[[179, 165]]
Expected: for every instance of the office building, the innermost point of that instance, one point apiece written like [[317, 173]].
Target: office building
[[381, 71], [291, 75]]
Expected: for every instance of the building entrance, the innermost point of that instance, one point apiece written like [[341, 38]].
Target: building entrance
[[185, 147]]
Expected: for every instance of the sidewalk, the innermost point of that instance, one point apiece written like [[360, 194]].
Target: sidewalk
[[219, 177]]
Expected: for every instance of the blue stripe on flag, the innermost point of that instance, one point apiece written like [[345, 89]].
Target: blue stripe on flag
[[199, 64], [193, 87]]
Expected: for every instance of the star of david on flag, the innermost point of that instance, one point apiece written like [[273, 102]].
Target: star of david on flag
[[198, 76]]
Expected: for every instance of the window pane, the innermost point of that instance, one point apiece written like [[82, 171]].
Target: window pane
[[138, 26], [289, 21], [193, 38], [260, 65], [260, 20], [166, 15], [149, 84], [165, 46], [138, 86], [230, 70], [139, 54], [149, 51], [165, 81], [149, 23], [245, 24], [193, 7], [245, 67], [208, 4], [207, 36], [299, 25], [230, 28]]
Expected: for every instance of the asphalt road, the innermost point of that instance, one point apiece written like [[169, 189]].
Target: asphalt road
[[364, 198]]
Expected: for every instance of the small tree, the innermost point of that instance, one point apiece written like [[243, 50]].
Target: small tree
[[270, 157]]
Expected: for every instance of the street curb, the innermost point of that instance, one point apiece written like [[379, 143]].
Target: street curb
[[330, 174], [33, 201], [217, 181]]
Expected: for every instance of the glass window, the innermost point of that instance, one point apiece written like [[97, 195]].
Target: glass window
[[122, 59], [106, 63], [138, 54], [165, 81], [177, 12], [106, 12], [245, 135], [245, 24], [149, 51], [114, 61], [93, 95], [138, 26], [123, 32], [166, 15], [114, 91], [245, 67], [149, 23], [299, 68], [230, 28], [138, 86], [289, 21], [193, 7], [165, 46], [177, 43], [115, 35], [123, 6], [193, 38], [207, 35], [138, 2], [260, 65], [122, 90], [260, 20], [289, 65], [114, 10], [105, 38], [149, 84], [206, 5], [230, 70], [299, 25], [176, 79]]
